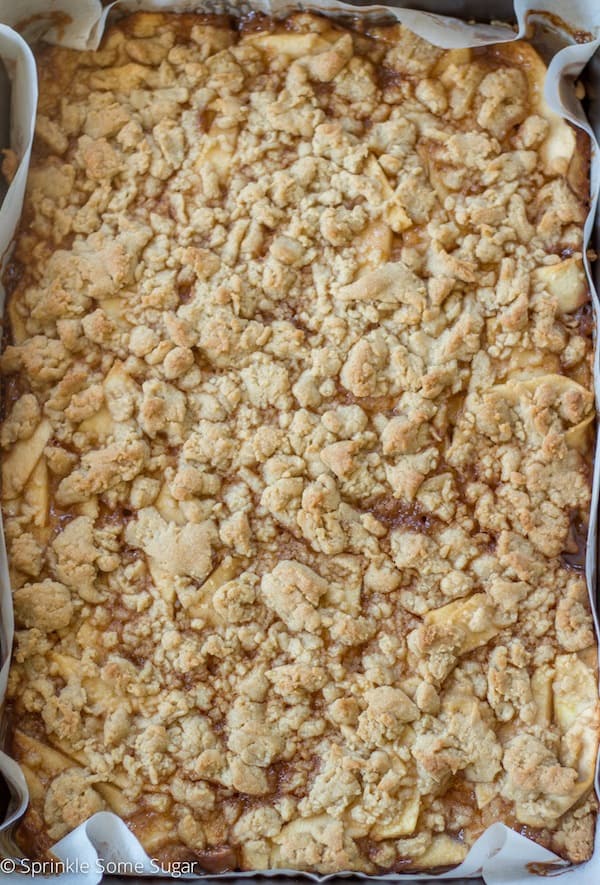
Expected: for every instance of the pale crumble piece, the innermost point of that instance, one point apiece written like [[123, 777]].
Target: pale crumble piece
[[70, 800], [9, 164], [101, 470], [46, 605], [26, 556], [75, 553], [574, 626], [180, 551], [22, 420], [297, 449]]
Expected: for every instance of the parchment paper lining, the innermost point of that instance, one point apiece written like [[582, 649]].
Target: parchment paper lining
[[500, 855]]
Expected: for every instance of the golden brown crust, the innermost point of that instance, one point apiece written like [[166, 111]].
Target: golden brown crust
[[297, 466]]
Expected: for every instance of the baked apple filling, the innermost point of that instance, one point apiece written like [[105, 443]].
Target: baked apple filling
[[298, 444]]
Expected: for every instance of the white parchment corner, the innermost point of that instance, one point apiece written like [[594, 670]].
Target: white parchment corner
[[20, 64]]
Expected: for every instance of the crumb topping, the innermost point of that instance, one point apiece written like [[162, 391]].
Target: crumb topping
[[297, 449]]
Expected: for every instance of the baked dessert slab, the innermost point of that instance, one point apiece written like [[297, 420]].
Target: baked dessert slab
[[298, 446]]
